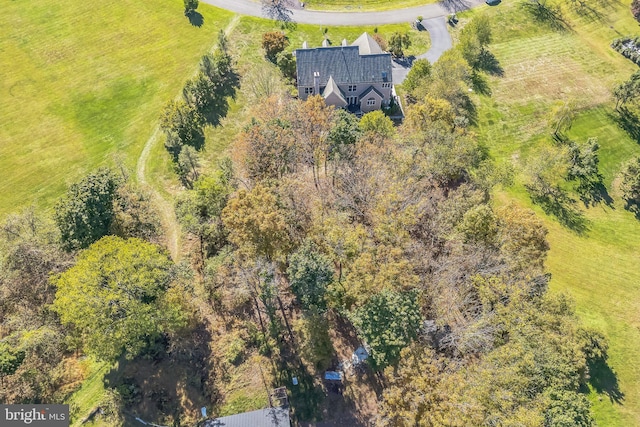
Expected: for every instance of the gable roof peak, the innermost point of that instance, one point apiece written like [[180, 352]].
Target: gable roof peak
[[367, 45]]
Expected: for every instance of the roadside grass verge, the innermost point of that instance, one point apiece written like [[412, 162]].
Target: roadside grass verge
[[544, 66]]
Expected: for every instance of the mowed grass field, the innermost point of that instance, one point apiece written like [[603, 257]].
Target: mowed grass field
[[83, 82], [601, 267]]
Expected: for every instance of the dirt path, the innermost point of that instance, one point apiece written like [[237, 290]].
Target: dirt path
[[165, 207]]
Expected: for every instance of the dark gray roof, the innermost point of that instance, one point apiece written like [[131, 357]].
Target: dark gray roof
[[344, 63], [269, 417], [371, 89]]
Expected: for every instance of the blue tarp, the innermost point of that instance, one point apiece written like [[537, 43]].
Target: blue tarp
[[333, 376]]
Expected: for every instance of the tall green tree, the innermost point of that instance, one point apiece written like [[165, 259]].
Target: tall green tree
[[630, 184], [309, 274], [418, 74], [190, 6], [86, 212], [182, 124], [188, 165], [388, 322], [118, 296], [343, 135], [199, 211], [10, 360], [257, 223], [627, 91], [376, 126], [398, 42]]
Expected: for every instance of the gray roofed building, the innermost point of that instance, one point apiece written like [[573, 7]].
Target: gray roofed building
[[367, 45], [349, 71], [269, 417]]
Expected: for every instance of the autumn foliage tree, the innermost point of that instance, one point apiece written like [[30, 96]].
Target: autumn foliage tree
[[274, 42], [256, 223]]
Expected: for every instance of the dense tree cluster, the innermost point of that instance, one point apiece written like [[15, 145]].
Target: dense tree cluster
[[36, 253], [204, 102], [392, 231]]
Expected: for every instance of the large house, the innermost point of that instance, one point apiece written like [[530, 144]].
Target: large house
[[357, 77]]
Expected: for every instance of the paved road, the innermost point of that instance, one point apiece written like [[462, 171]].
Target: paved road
[[303, 16]]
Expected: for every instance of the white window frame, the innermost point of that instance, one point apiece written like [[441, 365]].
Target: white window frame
[[353, 88], [371, 101], [308, 90]]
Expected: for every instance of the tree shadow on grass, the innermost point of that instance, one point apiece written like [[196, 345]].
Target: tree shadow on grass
[[195, 18], [605, 381], [586, 11], [549, 15], [453, 6], [628, 121], [634, 208], [480, 84], [488, 63], [557, 202], [596, 193]]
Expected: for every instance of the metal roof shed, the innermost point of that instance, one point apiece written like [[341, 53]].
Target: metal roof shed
[[269, 417]]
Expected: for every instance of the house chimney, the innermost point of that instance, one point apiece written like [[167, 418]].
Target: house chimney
[[316, 83]]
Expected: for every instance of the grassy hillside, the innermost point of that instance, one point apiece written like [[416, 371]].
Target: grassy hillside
[[84, 81], [544, 64]]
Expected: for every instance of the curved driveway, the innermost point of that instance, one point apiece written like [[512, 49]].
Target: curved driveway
[[303, 16]]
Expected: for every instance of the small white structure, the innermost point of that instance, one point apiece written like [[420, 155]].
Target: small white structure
[[359, 356]]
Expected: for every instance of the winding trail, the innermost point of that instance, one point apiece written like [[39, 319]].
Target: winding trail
[[165, 207]]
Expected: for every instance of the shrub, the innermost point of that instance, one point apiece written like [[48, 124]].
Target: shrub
[[627, 46], [635, 9], [273, 43]]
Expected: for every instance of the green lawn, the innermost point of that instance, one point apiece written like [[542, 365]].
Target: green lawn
[[84, 81], [361, 5], [600, 268]]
